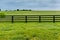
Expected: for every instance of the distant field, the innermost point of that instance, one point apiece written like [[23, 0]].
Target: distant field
[[31, 12], [30, 30]]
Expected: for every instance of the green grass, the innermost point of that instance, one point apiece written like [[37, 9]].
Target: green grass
[[31, 12], [30, 30]]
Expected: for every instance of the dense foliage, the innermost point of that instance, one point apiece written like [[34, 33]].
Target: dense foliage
[[2, 15], [24, 10]]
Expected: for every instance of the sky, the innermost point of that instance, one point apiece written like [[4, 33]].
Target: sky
[[30, 4]]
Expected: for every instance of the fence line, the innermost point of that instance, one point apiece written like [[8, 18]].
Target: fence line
[[31, 18]]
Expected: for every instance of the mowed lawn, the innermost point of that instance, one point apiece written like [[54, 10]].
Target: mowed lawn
[[30, 30]]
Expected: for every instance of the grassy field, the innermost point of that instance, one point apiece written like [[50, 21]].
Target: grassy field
[[30, 30], [31, 12]]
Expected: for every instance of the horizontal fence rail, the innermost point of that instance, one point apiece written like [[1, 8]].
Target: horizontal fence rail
[[30, 18]]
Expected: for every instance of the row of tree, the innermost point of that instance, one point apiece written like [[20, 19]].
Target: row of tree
[[19, 10], [23, 10]]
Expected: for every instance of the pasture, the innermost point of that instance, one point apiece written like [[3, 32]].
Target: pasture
[[30, 30], [31, 12]]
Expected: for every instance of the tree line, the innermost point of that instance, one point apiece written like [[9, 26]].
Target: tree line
[[18, 10]]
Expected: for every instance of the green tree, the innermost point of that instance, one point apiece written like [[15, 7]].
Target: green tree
[[0, 9], [17, 9]]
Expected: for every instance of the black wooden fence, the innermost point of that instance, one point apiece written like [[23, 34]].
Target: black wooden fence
[[31, 18]]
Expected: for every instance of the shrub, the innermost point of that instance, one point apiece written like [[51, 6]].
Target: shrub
[[14, 10], [0, 9], [17, 9], [2, 15], [30, 10], [26, 10], [6, 10]]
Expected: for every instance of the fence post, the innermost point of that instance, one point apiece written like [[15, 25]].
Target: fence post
[[12, 19], [26, 19], [53, 19], [39, 18]]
